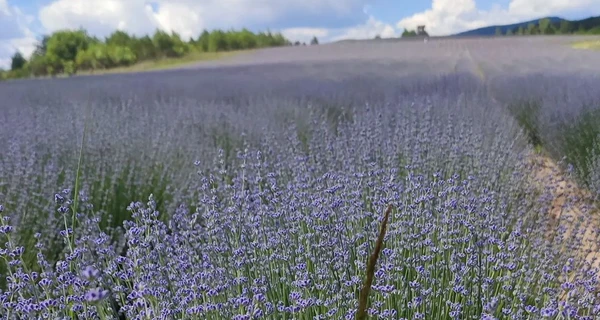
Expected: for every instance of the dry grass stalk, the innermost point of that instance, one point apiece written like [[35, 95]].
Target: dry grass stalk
[[361, 312]]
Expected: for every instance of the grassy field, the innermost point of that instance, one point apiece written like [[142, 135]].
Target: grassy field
[[258, 190], [169, 63], [591, 44]]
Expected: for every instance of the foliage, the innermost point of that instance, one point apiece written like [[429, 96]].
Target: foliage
[[547, 26], [64, 45], [218, 41], [406, 33], [17, 61], [526, 113], [565, 120], [314, 41], [67, 51], [144, 48], [203, 41], [169, 45], [580, 137], [120, 38]]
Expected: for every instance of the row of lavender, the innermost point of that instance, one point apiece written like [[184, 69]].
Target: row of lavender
[[552, 91], [267, 191], [561, 114]]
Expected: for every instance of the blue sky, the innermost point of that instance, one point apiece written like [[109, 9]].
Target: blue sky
[[23, 21]]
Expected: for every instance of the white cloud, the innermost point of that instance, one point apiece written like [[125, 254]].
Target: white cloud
[[15, 34], [368, 30], [3, 6], [25, 45], [305, 34], [451, 16], [99, 17], [535, 8], [187, 17], [190, 17]]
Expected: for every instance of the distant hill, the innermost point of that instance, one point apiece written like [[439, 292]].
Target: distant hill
[[548, 25]]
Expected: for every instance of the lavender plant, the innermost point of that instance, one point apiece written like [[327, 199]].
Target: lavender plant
[[563, 116], [265, 203]]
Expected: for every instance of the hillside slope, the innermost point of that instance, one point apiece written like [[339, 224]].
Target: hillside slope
[[555, 25]]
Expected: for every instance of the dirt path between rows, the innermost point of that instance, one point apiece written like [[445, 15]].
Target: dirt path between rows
[[574, 220], [573, 216]]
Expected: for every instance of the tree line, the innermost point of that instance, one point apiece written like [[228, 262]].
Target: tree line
[[420, 32], [547, 26], [70, 51]]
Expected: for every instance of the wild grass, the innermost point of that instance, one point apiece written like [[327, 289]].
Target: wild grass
[[587, 45], [526, 113], [579, 138], [168, 63], [560, 116]]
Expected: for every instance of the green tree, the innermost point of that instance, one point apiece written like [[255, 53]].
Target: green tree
[[406, 33], [203, 41], [67, 51], [69, 67], [38, 64], [314, 41], [169, 45], [96, 57], [509, 32], [247, 39], [64, 45], [594, 31], [54, 65], [42, 46], [565, 27], [144, 48], [546, 26], [279, 40], [100, 55], [120, 38], [180, 47], [521, 31], [17, 61], [233, 40], [268, 39], [498, 31], [218, 41], [120, 55], [86, 60], [163, 43], [532, 28]]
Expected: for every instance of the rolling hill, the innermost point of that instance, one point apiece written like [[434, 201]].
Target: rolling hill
[[556, 26]]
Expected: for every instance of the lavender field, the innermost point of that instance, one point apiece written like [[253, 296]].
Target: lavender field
[[255, 188]]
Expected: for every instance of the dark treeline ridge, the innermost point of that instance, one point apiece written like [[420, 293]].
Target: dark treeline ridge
[[545, 26], [70, 51], [548, 26]]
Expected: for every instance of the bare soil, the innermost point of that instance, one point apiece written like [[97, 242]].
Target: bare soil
[[572, 213]]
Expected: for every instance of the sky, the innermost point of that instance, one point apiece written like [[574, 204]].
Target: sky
[[22, 22]]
